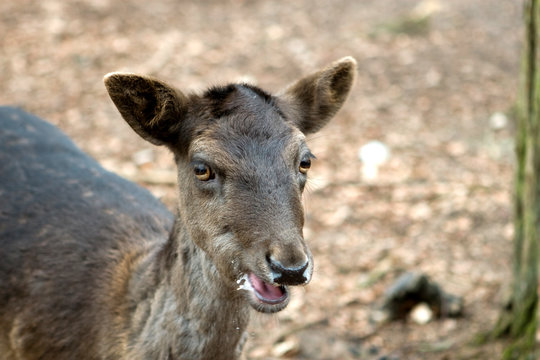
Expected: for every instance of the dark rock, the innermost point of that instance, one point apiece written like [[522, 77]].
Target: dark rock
[[411, 289]]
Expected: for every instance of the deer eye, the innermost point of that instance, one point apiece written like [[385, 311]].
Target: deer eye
[[304, 165], [203, 172]]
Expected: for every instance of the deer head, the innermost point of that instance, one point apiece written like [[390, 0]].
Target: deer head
[[242, 164]]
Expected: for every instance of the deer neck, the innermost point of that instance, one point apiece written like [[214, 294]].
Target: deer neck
[[190, 307]]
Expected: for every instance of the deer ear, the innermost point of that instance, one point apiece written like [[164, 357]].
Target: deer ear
[[316, 98], [152, 108]]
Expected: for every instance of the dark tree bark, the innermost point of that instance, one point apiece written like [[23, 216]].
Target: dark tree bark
[[518, 319]]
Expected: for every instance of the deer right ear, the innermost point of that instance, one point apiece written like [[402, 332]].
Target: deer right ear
[[152, 108], [316, 98]]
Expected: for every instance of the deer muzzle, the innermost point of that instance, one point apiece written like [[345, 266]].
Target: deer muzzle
[[289, 275]]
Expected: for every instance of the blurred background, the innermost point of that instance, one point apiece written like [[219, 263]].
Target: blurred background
[[414, 173]]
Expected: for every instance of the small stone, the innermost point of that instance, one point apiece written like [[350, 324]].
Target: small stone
[[287, 348], [421, 314], [373, 155], [374, 152], [498, 121]]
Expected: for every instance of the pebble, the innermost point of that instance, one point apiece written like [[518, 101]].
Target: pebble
[[498, 121], [421, 314], [286, 348], [373, 155]]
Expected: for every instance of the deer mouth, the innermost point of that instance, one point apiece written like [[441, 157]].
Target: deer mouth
[[267, 293], [266, 297]]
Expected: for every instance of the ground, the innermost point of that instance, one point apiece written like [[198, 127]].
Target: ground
[[432, 74]]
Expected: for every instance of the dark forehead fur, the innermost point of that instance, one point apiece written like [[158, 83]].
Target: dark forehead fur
[[228, 99], [242, 122]]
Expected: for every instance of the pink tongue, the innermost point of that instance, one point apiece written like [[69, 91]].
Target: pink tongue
[[268, 291]]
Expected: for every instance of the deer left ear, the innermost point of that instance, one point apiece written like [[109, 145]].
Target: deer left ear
[[152, 108], [316, 98]]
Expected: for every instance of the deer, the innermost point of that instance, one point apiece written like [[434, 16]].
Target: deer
[[92, 266]]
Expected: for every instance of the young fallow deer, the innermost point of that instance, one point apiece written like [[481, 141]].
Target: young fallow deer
[[93, 267]]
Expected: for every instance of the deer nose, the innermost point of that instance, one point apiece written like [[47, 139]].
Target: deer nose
[[291, 275]]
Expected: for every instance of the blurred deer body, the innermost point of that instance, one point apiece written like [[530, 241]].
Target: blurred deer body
[[94, 267]]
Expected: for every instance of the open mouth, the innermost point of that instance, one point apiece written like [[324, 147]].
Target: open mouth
[[268, 297], [268, 293]]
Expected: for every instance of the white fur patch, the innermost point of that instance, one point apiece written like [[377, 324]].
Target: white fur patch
[[244, 283]]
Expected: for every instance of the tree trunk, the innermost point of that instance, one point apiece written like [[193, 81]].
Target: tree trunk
[[518, 320]]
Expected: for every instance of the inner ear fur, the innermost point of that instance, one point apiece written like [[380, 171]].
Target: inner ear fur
[[152, 108], [316, 98]]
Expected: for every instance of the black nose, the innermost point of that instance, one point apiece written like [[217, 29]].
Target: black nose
[[288, 275]]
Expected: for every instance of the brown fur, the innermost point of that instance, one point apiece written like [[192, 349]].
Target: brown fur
[[110, 283]]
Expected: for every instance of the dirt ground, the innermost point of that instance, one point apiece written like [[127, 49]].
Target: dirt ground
[[432, 74]]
